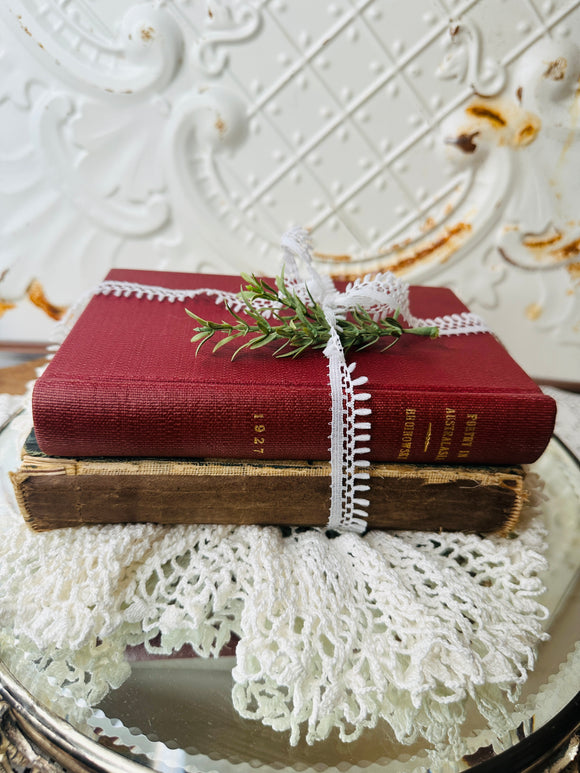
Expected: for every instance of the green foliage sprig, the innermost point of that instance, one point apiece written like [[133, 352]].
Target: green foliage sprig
[[297, 325]]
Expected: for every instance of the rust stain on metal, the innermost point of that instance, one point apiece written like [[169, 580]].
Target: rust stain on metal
[[429, 224], [526, 134], [464, 142], [350, 276], [5, 306], [487, 113], [37, 296], [220, 125], [400, 264], [396, 246], [333, 258], [519, 93], [556, 70], [567, 251], [539, 241], [510, 124], [147, 33], [429, 249], [564, 256], [24, 27], [534, 311]]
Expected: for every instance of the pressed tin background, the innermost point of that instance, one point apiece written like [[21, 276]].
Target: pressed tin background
[[436, 138]]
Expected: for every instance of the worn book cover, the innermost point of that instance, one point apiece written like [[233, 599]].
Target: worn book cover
[[55, 492], [127, 382]]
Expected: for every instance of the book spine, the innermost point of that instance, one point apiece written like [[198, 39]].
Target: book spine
[[254, 422], [57, 495], [454, 428]]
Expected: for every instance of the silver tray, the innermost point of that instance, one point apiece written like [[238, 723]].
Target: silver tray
[[176, 714]]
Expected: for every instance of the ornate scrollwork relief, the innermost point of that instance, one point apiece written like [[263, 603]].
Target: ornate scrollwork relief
[[225, 24], [513, 157], [540, 233], [542, 230], [95, 150], [205, 126], [190, 135], [141, 55], [465, 62]]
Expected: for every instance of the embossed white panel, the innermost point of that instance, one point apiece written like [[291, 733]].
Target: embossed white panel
[[436, 138]]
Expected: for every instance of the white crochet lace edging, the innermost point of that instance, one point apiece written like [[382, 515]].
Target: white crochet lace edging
[[464, 323], [382, 295], [348, 510], [155, 293], [125, 289]]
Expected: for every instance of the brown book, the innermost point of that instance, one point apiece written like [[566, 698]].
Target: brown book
[[53, 492]]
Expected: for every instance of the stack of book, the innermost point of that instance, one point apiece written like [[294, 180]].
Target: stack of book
[[130, 424]]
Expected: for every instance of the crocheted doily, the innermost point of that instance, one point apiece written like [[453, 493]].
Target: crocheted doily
[[334, 631]]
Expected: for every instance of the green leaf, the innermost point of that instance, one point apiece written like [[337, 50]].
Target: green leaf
[[195, 316], [300, 312], [286, 354], [267, 289], [247, 297], [280, 348], [280, 282], [393, 342], [226, 340], [201, 343], [234, 313], [257, 343], [241, 348], [369, 343]]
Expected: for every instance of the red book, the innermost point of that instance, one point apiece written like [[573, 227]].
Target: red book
[[127, 382]]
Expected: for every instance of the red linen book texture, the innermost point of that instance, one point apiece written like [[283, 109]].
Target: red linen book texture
[[127, 382]]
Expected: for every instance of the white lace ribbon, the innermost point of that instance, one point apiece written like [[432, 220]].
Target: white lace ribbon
[[381, 296]]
